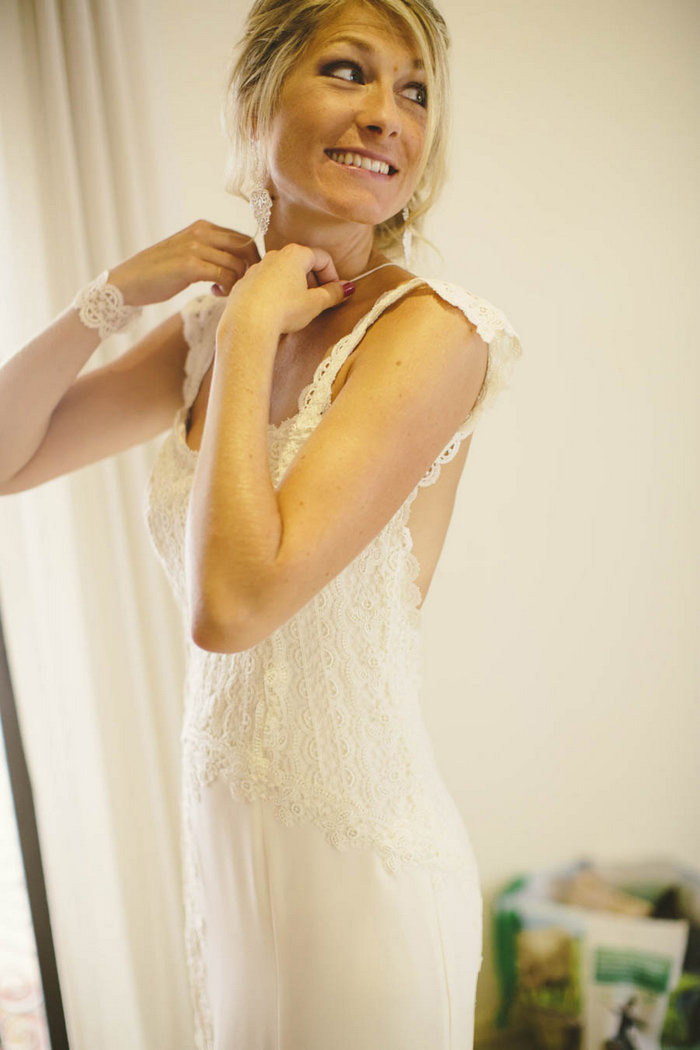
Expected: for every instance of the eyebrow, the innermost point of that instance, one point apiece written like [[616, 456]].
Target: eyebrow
[[363, 46]]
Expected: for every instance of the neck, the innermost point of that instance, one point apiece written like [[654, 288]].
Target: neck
[[350, 245]]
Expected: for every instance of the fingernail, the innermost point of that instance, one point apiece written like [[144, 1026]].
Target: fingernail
[[348, 289]]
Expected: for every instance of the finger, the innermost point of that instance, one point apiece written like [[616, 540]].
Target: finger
[[222, 276], [236, 243], [236, 264], [227, 231], [322, 265], [328, 295]]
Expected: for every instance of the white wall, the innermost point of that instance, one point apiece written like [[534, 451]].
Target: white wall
[[561, 629]]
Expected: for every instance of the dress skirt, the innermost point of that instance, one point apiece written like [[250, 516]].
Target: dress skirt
[[307, 947]]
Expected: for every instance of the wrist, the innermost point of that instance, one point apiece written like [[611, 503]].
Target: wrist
[[101, 305], [244, 324], [118, 277]]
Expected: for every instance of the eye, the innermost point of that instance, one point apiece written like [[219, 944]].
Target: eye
[[344, 71], [417, 93]]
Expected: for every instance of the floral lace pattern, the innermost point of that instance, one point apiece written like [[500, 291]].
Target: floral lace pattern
[[101, 305], [322, 718]]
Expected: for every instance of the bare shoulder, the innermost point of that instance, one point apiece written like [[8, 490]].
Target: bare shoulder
[[427, 307], [423, 325]]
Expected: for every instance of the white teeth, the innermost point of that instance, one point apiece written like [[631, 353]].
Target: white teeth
[[354, 160]]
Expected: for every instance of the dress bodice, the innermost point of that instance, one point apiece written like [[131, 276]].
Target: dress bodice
[[322, 718]]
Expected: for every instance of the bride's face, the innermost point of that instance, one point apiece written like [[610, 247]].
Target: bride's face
[[348, 135]]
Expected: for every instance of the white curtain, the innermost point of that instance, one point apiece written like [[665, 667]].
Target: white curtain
[[94, 638]]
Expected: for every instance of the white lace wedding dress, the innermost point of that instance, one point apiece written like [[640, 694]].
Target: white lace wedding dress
[[332, 897]]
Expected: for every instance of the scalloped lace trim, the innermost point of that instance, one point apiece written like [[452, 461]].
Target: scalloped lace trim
[[439, 845]]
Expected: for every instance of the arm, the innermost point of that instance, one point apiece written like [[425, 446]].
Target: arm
[[51, 422], [256, 555], [74, 423], [33, 382]]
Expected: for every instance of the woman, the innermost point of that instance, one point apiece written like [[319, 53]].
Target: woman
[[323, 403]]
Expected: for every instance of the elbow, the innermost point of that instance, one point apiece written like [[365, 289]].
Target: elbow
[[222, 622], [217, 622], [216, 636], [10, 486], [206, 636], [229, 633]]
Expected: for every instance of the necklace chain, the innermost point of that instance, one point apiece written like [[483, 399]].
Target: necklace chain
[[368, 272]]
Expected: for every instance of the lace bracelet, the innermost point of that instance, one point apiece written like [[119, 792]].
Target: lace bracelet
[[101, 305]]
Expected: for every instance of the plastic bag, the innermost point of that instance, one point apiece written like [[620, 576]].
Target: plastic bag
[[585, 963]]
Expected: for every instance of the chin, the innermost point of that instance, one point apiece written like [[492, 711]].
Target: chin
[[365, 213]]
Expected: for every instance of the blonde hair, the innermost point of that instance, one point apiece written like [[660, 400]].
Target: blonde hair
[[276, 35]]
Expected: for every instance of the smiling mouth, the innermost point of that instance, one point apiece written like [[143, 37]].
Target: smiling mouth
[[354, 160]]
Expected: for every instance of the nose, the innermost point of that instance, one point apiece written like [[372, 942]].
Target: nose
[[380, 113]]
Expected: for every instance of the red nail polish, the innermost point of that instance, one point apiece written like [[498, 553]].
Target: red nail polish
[[348, 289]]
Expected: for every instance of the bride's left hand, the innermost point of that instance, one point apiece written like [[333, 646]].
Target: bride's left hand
[[286, 290]]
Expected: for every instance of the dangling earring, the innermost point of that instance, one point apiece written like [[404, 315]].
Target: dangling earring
[[407, 237], [260, 199]]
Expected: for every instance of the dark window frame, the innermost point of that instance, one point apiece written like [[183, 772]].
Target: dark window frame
[[25, 816]]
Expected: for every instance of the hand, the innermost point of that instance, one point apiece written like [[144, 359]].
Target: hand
[[200, 252], [287, 289]]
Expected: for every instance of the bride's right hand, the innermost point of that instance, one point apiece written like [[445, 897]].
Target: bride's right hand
[[200, 252]]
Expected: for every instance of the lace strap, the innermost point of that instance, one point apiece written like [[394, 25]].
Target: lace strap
[[492, 325], [318, 395], [200, 316], [504, 350]]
